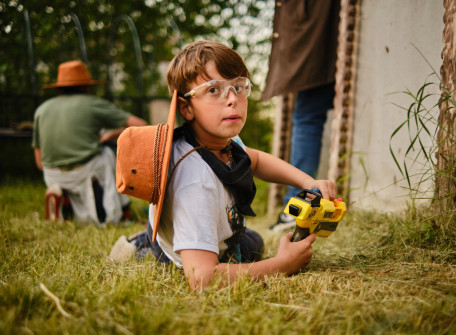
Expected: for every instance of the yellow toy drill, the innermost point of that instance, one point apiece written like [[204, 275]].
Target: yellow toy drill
[[314, 214]]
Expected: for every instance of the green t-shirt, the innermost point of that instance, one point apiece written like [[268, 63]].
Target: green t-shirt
[[67, 127]]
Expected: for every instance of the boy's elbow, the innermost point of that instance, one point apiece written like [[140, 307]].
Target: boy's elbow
[[199, 267], [199, 279]]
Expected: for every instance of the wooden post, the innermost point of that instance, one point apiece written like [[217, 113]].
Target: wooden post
[[342, 126], [445, 178]]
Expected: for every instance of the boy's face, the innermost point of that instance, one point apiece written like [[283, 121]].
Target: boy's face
[[214, 122]]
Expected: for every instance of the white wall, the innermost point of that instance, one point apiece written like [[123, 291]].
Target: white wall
[[387, 63]]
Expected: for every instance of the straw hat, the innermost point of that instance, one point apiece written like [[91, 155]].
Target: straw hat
[[143, 155], [73, 73]]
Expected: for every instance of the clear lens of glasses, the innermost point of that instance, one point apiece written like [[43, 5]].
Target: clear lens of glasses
[[214, 90]]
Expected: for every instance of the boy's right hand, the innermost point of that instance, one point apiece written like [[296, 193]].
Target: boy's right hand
[[327, 188], [293, 256]]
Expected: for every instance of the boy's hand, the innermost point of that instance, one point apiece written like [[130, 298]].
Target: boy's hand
[[327, 188], [293, 256]]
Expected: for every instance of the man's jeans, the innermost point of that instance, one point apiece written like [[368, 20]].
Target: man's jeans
[[309, 118]]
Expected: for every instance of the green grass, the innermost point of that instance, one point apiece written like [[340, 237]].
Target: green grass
[[377, 274]]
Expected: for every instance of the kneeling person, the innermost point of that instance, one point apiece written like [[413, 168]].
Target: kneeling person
[[68, 145]]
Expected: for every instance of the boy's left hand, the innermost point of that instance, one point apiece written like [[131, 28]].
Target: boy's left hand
[[327, 188]]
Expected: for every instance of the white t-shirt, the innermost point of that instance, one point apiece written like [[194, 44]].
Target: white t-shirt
[[197, 210]]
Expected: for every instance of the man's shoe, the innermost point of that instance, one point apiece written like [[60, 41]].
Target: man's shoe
[[284, 222], [53, 203]]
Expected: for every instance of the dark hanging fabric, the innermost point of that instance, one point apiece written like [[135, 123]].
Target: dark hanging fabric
[[238, 179]]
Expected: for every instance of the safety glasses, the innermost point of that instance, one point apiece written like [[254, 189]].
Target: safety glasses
[[217, 89]]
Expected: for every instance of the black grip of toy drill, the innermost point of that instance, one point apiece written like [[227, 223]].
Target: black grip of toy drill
[[300, 234]]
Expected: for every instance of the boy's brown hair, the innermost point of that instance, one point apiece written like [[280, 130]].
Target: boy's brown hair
[[191, 60]]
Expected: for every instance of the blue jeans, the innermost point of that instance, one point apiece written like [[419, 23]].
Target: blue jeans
[[309, 118]]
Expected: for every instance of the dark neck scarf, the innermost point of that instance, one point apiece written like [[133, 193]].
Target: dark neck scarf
[[238, 179]]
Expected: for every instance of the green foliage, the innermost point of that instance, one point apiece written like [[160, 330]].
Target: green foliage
[[375, 275], [162, 26], [418, 119], [258, 130]]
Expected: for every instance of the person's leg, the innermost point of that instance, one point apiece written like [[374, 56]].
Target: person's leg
[[116, 206], [309, 117], [153, 247], [98, 194], [67, 210], [140, 241], [251, 246], [248, 250], [73, 203]]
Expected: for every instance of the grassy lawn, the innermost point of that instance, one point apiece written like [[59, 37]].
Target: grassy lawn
[[377, 274]]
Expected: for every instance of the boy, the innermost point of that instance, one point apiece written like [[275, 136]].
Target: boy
[[202, 226]]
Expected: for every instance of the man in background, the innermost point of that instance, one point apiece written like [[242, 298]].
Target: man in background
[[68, 146], [303, 61]]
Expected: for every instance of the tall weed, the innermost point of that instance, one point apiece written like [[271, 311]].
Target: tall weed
[[421, 125]]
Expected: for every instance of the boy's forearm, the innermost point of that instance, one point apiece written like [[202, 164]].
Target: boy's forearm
[[200, 278], [290, 258], [201, 266], [257, 270]]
